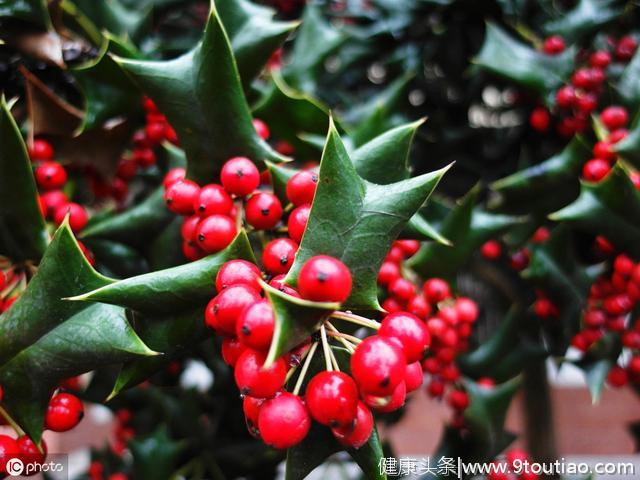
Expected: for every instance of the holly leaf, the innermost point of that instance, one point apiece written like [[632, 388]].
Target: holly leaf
[[254, 35], [597, 362], [174, 289], [108, 91], [356, 221], [201, 94], [45, 338], [609, 208], [116, 259], [507, 57], [23, 235], [586, 17], [627, 87], [467, 227], [280, 175], [113, 16], [32, 11], [544, 187], [156, 455], [307, 59], [296, 320]]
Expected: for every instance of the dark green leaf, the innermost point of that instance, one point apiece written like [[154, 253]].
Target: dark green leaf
[[627, 87], [356, 221], [419, 228], [120, 260], [156, 455], [509, 58], [610, 208], [22, 229], [280, 175], [32, 11], [201, 95], [45, 339], [114, 17], [586, 17]]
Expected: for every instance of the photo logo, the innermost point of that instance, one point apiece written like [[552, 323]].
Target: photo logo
[[15, 467]]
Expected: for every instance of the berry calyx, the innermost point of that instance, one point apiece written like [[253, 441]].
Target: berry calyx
[[63, 413], [263, 211], [283, 421], [256, 324], [240, 176], [278, 255], [324, 279], [254, 380], [301, 188], [378, 365], [215, 233], [332, 399]]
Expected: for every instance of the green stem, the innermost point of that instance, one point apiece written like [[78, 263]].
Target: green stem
[[326, 349], [305, 367], [83, 21], [357, 319]]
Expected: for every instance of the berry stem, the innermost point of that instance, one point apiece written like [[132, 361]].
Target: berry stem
[[349, 341], [326, 349], [357, 319], [305, 367], [11, 422], [334, 361]]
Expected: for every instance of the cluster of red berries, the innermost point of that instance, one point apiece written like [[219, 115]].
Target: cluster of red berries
[[448, 321], [513, 461], [610, 304], [96, 472], [63, 413]]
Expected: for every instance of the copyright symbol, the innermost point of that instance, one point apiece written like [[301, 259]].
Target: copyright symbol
[[15, 467]]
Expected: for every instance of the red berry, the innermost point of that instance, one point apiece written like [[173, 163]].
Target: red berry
[[278, 282], [491, 250], [419, 307], [595, 170], [519, 260], [263, 211], [261, 128], [50, 176], [436, 290], [409, 247], [410, 330], [215, 233], [332, 399], [255, 380], [617, 135], [614, 117], [213, 199], [240, 176], [486, 382], [466, 309], [360, 432], [298, 222], [587, 103], [458, 399], [238, 272], [378, 365], [626, 48], [154, 132], [8, 449], [540, 119], [435, 388], [224, 310], [174, 175], [544, 308], [144, 157], [64, 412], [255, 325], [40, 150], [77, 216], [232, 348], [565, 96], [389, 271], [600, 59], [603, 150], [53, 200], [413, 376], [180, 196], [29, 451], [324, 279], [553, 45], [278, 255], [390, 403], [581, 78], [302, 187], [189, 229], [283, 421], [617, 377], [192, 252], [251, 408]]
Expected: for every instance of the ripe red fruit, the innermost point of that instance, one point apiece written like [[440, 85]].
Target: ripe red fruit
[[419, 307], [78, 217], [50, 175], [251, 408], [283, 421], [174, 175], [595, 170], [565, 96], [540, 119], [413, 376], [410, 330], [255, 380], [240, 176], [332, 399], [617, 377], [154, 132], [466, 309], [29, 451], [436, 290], [402, 290], [263, 211], [378, 365], [360, 432], [519, 260], [40, 150], [626, 48], [389, 271], [189, 229], [435, 388], [587, 103], [278, 255], [458, 399], [553, 45], [255, 325], [144, 157], [617, 135], [278, 282], [261, 128], [180, 196], [8, 449], [63, 413], [192, 252], [614, 117], [238, 272], [298, 222], [53, 200], [302, 187], [600, 59], [232, 348], [213, 199], [224, 310], [324, 279], [215, 233], [491, 250], [603, 150], [390, 403]]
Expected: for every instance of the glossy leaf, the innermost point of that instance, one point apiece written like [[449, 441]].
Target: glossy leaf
[[467, 227], [627, 87], [586, 17], [201, 95], [610, 208], [544, 187], [507, 57], [119, 260], [173, 290], [45, 338], [23, 235], [156, 455], [116, 18], [356, 221], [597, 362]]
